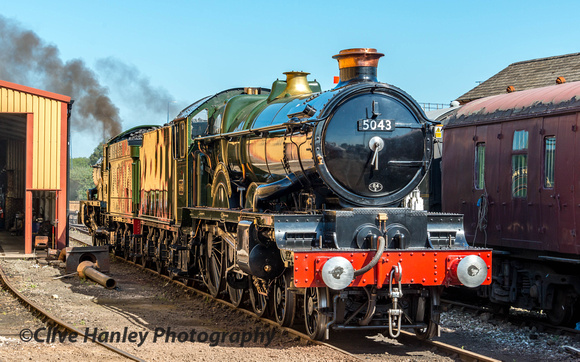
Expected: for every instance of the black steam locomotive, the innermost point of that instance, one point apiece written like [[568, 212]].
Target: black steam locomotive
[[291, 196]]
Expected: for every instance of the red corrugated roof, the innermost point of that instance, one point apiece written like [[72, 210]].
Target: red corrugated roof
[[561, 97], [38, 92]]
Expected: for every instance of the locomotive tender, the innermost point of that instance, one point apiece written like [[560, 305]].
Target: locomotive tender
[[292, 196]]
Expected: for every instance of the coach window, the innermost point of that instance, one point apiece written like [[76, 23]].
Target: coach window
[[549, 158], [520, 164], [479, 166], [199, 124]]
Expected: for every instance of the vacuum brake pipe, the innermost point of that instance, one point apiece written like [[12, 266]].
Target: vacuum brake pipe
[[86, 269], [375, 260]]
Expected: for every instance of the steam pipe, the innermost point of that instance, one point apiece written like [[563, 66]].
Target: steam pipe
[[274, 189], [87, 269], [374, 261]]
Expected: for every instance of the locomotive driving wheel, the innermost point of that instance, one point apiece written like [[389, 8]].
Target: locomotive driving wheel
[[214, 253], [214, 265], [315, 299], [236, 295], [258, 300], [284, 300]]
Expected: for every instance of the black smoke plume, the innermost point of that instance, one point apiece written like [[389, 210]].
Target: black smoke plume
[[28, 60], [137, 90]]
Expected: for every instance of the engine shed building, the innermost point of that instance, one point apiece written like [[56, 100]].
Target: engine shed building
[[33, 163]]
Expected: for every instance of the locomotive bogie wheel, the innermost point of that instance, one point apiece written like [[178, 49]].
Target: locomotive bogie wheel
[[315, 299], [283, 301], [214, 265], [432, 321], [258, 301]]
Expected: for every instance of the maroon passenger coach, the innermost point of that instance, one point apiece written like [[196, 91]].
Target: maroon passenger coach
[[510, 166]]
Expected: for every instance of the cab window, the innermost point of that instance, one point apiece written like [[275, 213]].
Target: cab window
[[199, 124]]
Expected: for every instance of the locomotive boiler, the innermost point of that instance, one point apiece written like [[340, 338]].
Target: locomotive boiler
[[292, 197]]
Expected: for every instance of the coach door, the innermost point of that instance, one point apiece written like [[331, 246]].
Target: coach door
[[557, 224], [520, 172], [486, 176]]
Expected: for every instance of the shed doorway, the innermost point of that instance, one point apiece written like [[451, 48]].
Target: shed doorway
[[12, 181]]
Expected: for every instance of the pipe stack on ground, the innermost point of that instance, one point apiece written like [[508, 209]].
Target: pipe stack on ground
[[87, 269]]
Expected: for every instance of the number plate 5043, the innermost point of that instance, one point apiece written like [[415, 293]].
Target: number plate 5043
[[375, 125]]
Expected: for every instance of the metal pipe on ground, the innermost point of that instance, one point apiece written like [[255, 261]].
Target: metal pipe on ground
[[86, 269]]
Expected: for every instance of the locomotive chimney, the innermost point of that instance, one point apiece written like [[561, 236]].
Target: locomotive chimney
[[358, 64]]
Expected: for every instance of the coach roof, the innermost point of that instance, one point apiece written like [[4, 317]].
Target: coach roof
[[518, 105]]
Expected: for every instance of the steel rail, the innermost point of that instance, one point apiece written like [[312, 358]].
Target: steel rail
[[51, 318], [463, 354], [446, 348], [198, 292]]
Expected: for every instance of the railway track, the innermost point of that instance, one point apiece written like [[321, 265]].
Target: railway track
[[352, 343], [524, 318], [51, 319]]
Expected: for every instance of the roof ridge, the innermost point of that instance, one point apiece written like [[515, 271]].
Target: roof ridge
[[545, 59]]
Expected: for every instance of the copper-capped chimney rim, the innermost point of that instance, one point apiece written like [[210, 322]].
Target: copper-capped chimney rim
[[358, 57], [357, 65]]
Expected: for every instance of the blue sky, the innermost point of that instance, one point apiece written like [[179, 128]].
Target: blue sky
[[434, 50]]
